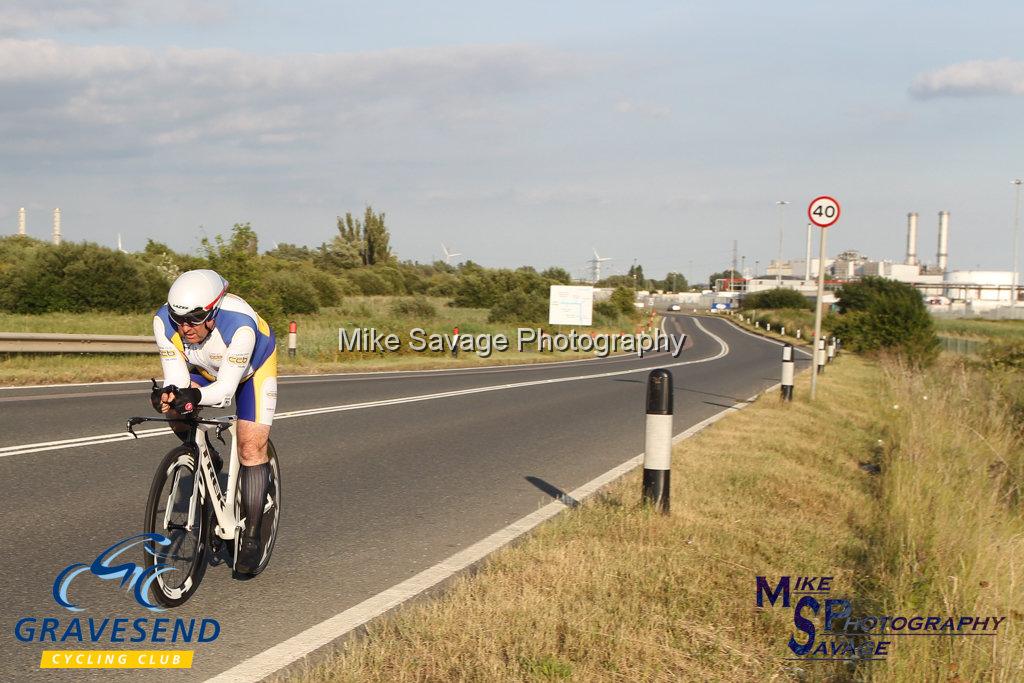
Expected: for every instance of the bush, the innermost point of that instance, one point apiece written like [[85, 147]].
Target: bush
[[416, 307], [877, 314], [623, 299], [295, 293], [606, 314], [79, 277], [1004, 354], [327, 290], [368, 282], [520, 306], [475, 291], [777, 298]]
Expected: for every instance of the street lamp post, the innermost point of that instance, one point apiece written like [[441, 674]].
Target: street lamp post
[[1016, 233], [778, 264]]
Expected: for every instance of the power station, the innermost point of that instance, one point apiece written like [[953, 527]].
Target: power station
[[943, 289]]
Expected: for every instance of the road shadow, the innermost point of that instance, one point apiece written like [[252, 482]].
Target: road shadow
[[553, 491], [680, 389], [721, 405]]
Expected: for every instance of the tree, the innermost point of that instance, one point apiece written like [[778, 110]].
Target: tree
[[623, 299], [369, 237], [237, 260], [878, 313], [559, 275], [674, 282], [292, 252], [777, 298], [637, 273], [724, 275]]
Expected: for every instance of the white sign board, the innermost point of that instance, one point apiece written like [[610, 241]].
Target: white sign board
[[571, 305]]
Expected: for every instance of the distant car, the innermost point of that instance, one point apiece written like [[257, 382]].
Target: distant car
[[674, 307]]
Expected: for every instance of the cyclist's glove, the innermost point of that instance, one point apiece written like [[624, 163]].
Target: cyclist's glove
[[186, 401], [157, 392]]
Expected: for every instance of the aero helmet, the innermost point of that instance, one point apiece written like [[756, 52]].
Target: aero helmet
[[195, 296]]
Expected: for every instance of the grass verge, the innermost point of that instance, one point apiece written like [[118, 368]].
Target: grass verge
[[318, 342], [907, 487], [612, 591], [980, 329]]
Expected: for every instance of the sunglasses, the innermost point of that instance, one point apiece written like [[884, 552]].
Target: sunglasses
[[192, 319]]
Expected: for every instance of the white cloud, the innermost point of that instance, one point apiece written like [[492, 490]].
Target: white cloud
[[24, 16], [643, 108], [996, 77], [67, 99]]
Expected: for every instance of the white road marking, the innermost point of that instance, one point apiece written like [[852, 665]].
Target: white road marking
[[468, 369], [145, 433], [283, 654]]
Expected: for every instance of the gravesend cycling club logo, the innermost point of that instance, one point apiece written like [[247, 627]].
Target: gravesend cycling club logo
[[136, 578], [112, 565], [827, 629]]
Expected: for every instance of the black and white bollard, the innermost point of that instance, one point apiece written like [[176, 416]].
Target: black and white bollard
[[787, 372], [658, 442], [831, 349], [293, 335], [820, 356]]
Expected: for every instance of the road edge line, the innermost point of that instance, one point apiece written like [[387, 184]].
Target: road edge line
[[306, 643]]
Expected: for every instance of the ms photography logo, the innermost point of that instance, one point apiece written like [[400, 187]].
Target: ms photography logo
[[111, 565], [828, 630]]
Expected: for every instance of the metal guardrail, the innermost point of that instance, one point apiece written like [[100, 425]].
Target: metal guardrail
[[960, 345], [34, 342]]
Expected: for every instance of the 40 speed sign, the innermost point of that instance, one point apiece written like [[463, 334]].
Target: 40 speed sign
[[823, 211]]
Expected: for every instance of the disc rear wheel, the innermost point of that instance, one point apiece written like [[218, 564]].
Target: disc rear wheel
[[271, 511]]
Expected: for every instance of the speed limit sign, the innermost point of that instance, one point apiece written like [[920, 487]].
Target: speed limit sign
[[823, 211]]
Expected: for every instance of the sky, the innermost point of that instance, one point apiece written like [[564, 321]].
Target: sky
[[527, 133]]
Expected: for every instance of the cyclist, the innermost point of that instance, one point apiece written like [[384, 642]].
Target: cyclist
[[214, 349]]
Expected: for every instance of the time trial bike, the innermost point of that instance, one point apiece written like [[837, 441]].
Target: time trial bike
[[201, 518]]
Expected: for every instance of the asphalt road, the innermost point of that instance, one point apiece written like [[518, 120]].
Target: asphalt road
[[376, 489]]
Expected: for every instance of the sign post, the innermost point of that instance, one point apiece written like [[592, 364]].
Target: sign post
[[823, 212]]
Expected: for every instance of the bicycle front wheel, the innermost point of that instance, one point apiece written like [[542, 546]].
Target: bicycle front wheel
[[178, 511]]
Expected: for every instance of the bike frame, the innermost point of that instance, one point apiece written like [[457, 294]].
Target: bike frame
[[223, 501]]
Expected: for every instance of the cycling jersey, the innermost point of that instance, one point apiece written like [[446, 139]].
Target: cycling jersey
[[237, 359]]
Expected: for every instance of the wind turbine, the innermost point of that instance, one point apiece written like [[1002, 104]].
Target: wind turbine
[[449, 255], [595, 264]]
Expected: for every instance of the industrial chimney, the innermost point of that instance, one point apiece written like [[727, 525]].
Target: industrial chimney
[[911, 239], [56, 226], [21, 221], [943, 239]]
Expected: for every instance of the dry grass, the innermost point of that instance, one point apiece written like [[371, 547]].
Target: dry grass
[[611, 591], [317, 343], [951, 534], [973, 328]]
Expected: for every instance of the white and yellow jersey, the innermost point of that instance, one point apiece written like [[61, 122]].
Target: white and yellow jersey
[[239, 345]]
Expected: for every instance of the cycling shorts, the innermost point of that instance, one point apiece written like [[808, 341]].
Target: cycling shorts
[[256, 397]]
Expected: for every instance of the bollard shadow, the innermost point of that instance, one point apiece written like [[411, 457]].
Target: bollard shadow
[[680, 389], [708, 393], [553, 491], [723, 405]]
